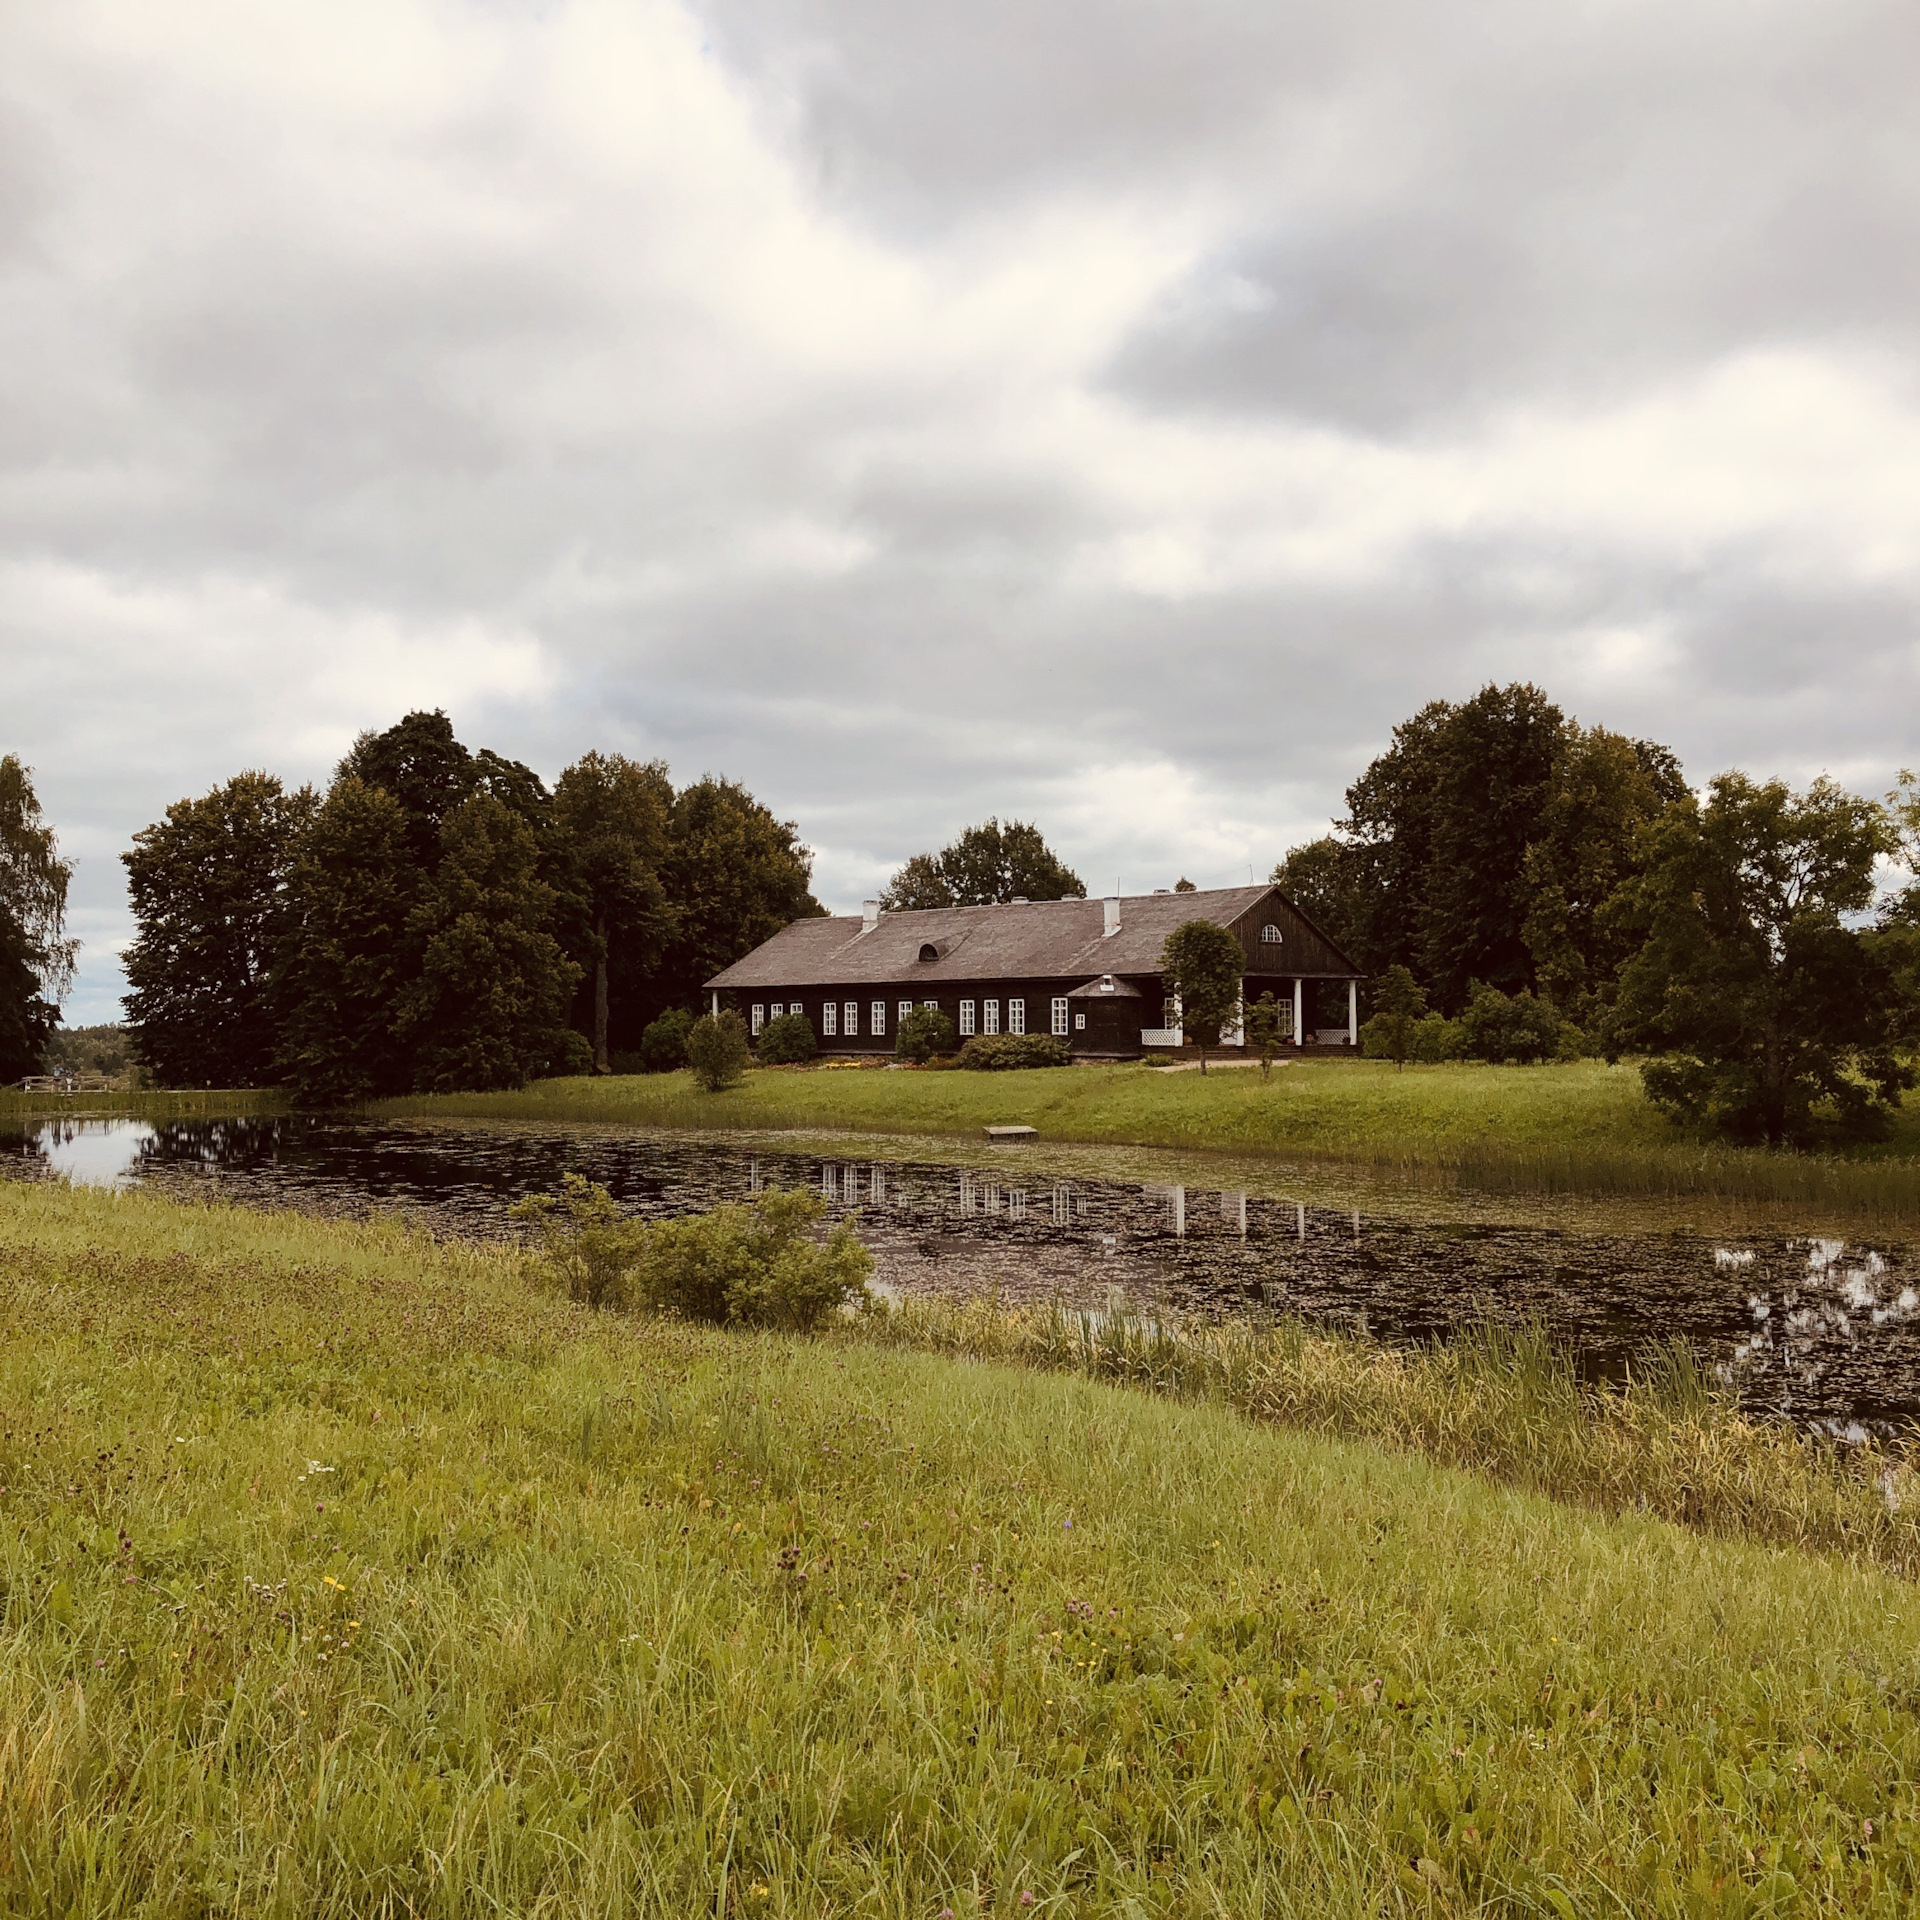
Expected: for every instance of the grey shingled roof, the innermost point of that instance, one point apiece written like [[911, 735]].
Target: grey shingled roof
[[1049, 939]]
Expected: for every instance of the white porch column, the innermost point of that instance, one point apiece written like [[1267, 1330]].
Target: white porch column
[[716, 1004], [1299, 1012], [1353, 1013]]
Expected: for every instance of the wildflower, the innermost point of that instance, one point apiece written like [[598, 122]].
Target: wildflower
[[1026, 1898]]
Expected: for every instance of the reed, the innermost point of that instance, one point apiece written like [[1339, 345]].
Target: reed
[[187, 1103]]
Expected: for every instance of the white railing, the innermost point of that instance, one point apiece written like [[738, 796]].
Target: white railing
[[1160, 1036]]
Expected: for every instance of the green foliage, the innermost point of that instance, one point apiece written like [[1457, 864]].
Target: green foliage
[[717, 1051], [588, 1247], [1268, 1027], [1202, 963], [426, 770], [105, 1049], [610, 818], [36, 957], [986, 865], [734, 876], [925, 1032], [1005, 1052], [209, 888], [663, 1046], [1322, 879], [756, 1265], [488, 1004], [786, 1042], [1401, 1003], [1768, 1015], [348, 952], [1521, 1028]]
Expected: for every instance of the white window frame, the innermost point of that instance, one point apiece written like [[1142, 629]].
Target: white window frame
[[989, 1016], [966, 1019], [930, 1006], [850, 1019], [830, 1021], [1270, 935], [877, 1026], [777, 1011], [1060, 1017], [1016, 1016], [759, 1017], [1079, 1023], [905, 1008]]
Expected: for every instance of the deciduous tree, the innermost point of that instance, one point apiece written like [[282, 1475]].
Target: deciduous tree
[[208, 885], [1399, 1004], [1202, 963], [611, 818], [36, 956], [986, 865], [1766, 1012]]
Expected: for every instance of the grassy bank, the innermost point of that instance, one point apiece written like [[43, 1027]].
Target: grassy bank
[[1578, 1129], [191, 1103], [340, 1574]]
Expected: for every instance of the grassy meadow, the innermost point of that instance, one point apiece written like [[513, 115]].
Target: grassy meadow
[[1581, 1128], [344, 1573]]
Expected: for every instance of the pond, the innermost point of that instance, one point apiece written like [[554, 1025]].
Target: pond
[[1811, 1326]]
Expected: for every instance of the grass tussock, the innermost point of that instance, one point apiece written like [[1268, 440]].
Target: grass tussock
[[1580, 1128], [342, 1573], [1505, 1403]]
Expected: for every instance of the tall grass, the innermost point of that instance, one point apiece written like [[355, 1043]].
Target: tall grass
[[341, 1574], [1501, 1402], [1573, 1129], [188, 1103]]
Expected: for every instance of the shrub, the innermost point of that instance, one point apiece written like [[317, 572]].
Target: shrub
[[588, 1247], [717, 1051], [787, 1041], [999, 1052], [1524, 1028], [757, 1265], [663, 1046], [567, 1053], [923, 1033], [1266, 1029], [1436, 1038]]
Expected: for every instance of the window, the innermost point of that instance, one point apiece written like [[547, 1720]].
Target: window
[[1269, 935], [928, 951], [906, 1007], [1016, 1016], [991, 1024], [829, 1022], [779, 1011], [877, 1026], [1079, 1023], [850, 1018], [966, 1018], [759, 1018], [1060, 1016], [932, 1006]]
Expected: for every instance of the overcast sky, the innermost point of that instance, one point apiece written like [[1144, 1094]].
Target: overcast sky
[[1116, 415]]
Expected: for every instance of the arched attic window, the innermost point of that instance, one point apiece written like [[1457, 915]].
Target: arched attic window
[[928, 951], [1269, 935]]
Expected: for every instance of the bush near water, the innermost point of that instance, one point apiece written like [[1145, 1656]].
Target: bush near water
[[347, 1573]]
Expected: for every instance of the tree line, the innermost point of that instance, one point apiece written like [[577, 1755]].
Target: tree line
[[438, 918], [1522, 882]]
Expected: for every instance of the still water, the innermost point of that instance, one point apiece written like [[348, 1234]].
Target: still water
[[1810, 1327]]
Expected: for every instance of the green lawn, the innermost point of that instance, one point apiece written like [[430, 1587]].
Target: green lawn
[[1582, 1128], [342, 1574]]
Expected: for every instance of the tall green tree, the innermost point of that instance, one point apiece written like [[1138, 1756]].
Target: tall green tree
[[1766, 1012], [36, 956], [488, 1005], [986, 865], [348, 950], [208, 887], [424, 767], [1202, 963], [611, 817], [1606, 790], [1399, 1006], [735, 875]]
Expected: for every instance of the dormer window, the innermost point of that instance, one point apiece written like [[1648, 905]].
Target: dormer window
[[1269, 935], [928, 951]]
